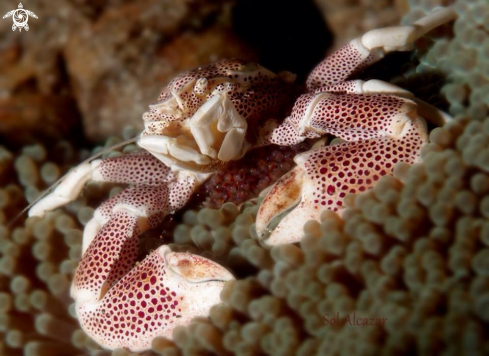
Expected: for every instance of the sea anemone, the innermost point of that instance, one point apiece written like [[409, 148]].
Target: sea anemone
[[413, 250]]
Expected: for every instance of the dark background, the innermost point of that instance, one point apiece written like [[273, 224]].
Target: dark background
[[87, 69]]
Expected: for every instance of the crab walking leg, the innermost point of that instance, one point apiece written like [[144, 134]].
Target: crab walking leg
[[120, 305], [351, 117], [351, 110], [371, 47], [375, 86], [137, 168], [324, 176]]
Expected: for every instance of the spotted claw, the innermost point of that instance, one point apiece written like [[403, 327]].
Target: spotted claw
[[292, 194], [324, 176], [165, 290]]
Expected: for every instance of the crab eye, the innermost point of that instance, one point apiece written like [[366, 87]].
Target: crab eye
[[201, 86]]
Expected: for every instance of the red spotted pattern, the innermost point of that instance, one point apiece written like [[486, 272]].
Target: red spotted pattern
[[113, 251], [354, 167], [287, 133], [110, 256], [128, 303], [154, 201], [351, 117], [360, 117], [180, 193], [255, 92], [338, 67], [137, 303], [348, 87], [136, 168], [141, 306]]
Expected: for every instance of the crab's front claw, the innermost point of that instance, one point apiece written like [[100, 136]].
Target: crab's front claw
[[291, 195], [196, 269], [197, 280], [325, 175], [165, 290]]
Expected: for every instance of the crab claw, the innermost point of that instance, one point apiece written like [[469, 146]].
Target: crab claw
[[291, 193], [165, 290], [325, 175], [122, 303]]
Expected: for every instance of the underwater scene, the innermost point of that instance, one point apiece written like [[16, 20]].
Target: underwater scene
[[227, 219]]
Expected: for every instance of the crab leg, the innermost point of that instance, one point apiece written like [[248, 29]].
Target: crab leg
[[140, 168], [136, 168], [350, 117], [326, 111], [371, 47], [120, 305], [375, 86]]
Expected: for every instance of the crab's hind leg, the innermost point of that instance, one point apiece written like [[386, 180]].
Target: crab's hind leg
[[371, 47], [137, 168]]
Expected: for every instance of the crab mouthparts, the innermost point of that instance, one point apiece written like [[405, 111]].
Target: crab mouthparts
[[174, 151]]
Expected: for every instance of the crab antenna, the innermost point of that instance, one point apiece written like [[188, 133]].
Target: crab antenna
[[52, 186]]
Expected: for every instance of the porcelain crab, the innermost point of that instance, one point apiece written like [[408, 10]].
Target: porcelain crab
[[213, 115]]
